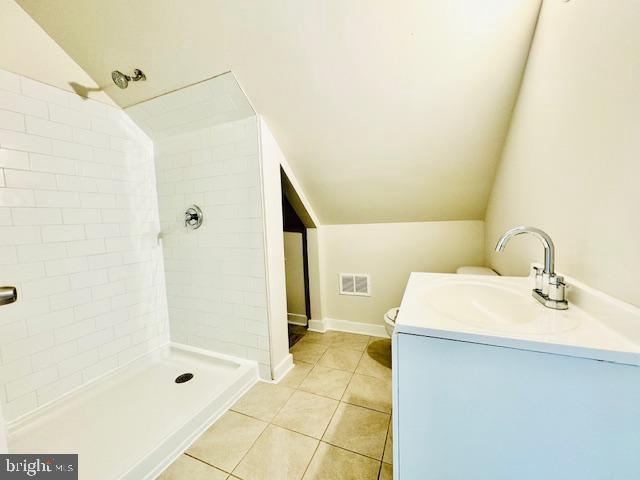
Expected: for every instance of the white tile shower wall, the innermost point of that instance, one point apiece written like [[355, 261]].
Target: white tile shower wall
[[78, 237], [216, 287]]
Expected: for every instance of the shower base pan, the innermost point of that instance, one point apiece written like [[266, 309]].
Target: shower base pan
[[133, 422]]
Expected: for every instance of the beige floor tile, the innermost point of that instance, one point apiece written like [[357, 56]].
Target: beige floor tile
[[387, 457], [263, 401], [185, 467], [340, 359], [358, 429], [226, 441], [278, 454], [316, 337], [376, 360], [326, 382], [297, 374], [333, 463], [380, 339], [386, 472], [369, 392], [373, 368], [307, 352], [350, 340], [306, 413], [380, 348]]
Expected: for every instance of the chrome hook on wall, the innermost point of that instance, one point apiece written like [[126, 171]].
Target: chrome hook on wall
[[193, 217]]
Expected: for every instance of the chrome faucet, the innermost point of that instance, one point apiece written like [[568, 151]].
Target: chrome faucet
[[549, 288]]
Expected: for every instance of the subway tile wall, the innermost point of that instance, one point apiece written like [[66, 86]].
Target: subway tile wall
[[206, 144], [78, 237]]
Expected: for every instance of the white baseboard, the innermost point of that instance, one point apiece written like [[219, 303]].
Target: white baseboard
[[297, 319], [282, 368], [347, 326], [317, 326]]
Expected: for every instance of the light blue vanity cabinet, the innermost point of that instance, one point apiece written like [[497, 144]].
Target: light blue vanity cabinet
[[465, 411], [488, 384]]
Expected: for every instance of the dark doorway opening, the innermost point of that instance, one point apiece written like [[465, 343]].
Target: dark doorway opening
[[297, 282]]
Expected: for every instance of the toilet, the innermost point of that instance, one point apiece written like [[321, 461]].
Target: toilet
[[390, 320], [392, 313]]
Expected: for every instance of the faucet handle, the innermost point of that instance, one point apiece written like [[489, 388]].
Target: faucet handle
[[556, 280], [538, 271], [557, 288]]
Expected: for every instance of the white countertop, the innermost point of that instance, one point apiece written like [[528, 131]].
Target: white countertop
[[595, 326]]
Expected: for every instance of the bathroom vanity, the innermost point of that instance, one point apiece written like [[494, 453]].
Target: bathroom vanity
[[490, 384]]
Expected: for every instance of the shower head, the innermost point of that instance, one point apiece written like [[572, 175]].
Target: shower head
[[122, 80]]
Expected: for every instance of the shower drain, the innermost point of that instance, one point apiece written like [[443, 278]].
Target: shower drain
[[185, 377]]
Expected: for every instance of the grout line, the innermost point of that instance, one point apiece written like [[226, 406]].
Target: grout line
[[386, 436], [352, 451], [311, 459], [203, 461]]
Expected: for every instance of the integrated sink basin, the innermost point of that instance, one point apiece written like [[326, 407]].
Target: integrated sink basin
[[496, 307], [501, 311]]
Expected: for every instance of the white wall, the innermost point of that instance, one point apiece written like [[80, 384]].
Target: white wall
[[206, 155], [78, 228], [27, 50], [570, 165], [389, 252], [294, 270], [271, 160]]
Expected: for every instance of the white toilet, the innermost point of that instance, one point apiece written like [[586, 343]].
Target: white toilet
[[390, 320], [392, 313]]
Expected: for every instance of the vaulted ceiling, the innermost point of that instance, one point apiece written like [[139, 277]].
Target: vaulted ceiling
[[387, 111]]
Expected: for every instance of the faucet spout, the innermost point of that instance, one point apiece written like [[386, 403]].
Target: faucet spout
[[550, 288], [549, 249]]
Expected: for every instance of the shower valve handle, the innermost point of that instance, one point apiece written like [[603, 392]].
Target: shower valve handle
[[193, 217]]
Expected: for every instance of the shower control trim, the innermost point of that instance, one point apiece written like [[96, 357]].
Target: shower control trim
[[193, 217]]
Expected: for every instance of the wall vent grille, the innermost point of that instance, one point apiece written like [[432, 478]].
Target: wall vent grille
[[355, 284]]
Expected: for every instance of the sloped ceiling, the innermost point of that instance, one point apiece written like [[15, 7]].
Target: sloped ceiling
[[387, 111]]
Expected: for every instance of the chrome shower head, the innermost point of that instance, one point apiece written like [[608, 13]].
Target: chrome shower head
[[122, 80]]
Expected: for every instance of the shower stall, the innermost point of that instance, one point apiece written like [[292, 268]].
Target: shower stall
[[143, 244]]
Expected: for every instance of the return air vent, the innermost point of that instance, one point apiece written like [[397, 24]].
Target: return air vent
[[355, 284]]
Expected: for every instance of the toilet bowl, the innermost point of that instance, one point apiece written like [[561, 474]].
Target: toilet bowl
[[390, 320]]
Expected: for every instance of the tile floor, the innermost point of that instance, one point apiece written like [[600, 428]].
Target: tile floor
[[328, 419]]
